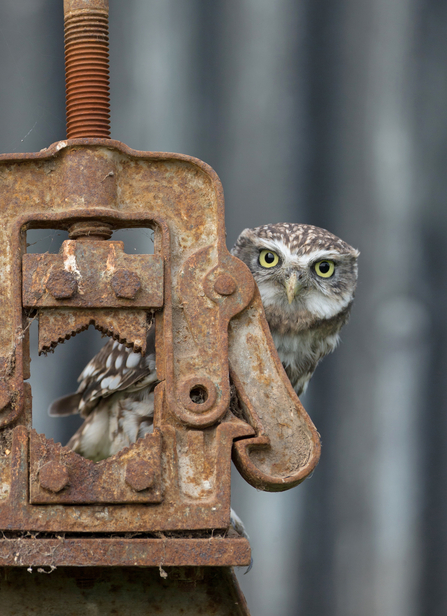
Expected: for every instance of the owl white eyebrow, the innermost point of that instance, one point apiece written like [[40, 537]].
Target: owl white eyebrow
[[318, 255], [276, 246], [288, 256]]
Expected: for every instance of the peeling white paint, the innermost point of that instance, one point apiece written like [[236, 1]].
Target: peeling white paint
[[190, 479], [70, 264], [60, 145], [4, 491], [111, 260]]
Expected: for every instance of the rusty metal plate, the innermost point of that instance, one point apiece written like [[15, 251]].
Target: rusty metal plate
[[57, 475], [122, 591], [92, 274], [228, 551], [195, 471], [125, 325]]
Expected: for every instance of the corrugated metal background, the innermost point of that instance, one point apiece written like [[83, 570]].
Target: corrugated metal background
[[330, 113]]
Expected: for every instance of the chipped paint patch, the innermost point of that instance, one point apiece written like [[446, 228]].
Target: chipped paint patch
[[60, 145], [5, 489]]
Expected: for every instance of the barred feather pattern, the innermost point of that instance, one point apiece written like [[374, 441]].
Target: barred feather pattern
[[115, 396]]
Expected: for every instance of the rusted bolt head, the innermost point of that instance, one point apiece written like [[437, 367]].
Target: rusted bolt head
[[53, 476], [225, 285], [125, 283], [61, 284], [139, 475]]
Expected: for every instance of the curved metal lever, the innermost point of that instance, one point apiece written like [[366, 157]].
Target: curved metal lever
[[286, 448]]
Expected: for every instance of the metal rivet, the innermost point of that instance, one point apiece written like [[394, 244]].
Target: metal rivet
[[225, 285]]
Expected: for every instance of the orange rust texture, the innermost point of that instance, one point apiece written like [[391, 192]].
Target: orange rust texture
[[287, 447], [87, 69], [93, 274], [95, 186], [169, 552], [90, 482], [191, 489], [60, 324]]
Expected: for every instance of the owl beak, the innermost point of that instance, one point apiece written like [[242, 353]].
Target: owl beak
[[292, 286]]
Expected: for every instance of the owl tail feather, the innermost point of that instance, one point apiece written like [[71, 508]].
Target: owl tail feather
[[67, 405]]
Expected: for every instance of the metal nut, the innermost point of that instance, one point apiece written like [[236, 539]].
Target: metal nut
[[139, 475], [225, 285], [61, 284], [125, 283], [53, 476]]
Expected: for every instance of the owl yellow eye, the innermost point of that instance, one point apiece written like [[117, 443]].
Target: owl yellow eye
[[268, 258], [324, 269]]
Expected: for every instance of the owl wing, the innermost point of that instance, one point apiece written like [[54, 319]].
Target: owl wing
[[115, 368]]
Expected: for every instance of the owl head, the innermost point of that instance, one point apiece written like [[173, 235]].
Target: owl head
[[301, 270]]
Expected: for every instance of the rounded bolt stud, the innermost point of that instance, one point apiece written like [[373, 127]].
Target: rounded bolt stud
[[61, 284], [53, 476], [225, 285], [125, 283], [139, 475]]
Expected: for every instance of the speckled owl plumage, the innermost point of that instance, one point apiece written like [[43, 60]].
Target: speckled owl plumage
[[307, 328]]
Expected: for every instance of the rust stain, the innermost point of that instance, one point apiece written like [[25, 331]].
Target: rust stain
[[211, 551]]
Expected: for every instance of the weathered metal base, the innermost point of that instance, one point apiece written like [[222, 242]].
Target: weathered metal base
[[127, 591], [179, 552]]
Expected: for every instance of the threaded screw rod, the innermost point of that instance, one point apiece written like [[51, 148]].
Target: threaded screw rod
[[86, 25]]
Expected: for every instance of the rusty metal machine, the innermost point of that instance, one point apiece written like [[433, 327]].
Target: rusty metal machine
[[153, 520]]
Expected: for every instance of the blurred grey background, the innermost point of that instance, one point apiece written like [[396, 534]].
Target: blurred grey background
[[333, 113]]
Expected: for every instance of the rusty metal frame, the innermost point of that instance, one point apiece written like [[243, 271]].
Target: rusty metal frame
[[204, 286]]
